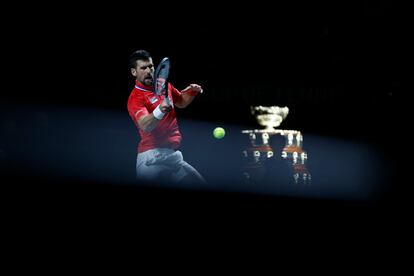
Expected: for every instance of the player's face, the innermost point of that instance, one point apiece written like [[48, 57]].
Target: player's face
[[144, 72]]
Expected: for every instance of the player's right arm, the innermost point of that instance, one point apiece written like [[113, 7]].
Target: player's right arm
[[149, 121]]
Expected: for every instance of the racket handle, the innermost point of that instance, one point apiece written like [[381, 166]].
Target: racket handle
[[167, 99]]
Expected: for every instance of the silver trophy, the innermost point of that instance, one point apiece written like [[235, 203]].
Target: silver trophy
[[269, 116], [259, 153]]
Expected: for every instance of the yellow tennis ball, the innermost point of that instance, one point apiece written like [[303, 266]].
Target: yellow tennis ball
[[219, 132]]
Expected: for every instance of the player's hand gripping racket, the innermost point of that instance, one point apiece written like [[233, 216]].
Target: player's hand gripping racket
[[161, 79]]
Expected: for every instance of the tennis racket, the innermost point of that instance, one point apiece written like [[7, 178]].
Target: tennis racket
[[161, 78]]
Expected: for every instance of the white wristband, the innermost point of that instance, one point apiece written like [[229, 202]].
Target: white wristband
[[158, 113]]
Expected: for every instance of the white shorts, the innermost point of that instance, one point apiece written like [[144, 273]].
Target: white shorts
[[164, 165]]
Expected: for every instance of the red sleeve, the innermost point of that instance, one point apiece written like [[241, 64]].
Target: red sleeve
[[136, 107], [176, 95]]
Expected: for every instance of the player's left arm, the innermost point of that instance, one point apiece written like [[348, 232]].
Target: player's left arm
[[186, 96]]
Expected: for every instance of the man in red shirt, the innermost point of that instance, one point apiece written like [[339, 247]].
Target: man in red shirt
[[158, 157]]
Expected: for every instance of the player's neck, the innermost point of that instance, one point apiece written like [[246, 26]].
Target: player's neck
[[138, 83]]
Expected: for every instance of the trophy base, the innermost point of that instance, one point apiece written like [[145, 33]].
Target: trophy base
[[260, 158]]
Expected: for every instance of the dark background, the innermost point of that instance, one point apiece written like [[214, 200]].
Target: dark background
[[335, 64], [323, 60]]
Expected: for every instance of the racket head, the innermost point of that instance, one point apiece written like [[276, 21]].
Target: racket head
[[161, 77]]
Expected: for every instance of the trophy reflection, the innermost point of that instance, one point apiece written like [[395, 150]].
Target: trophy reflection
[[272, 153]]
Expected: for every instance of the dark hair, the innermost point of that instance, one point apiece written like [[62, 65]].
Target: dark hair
[[138, 55]]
